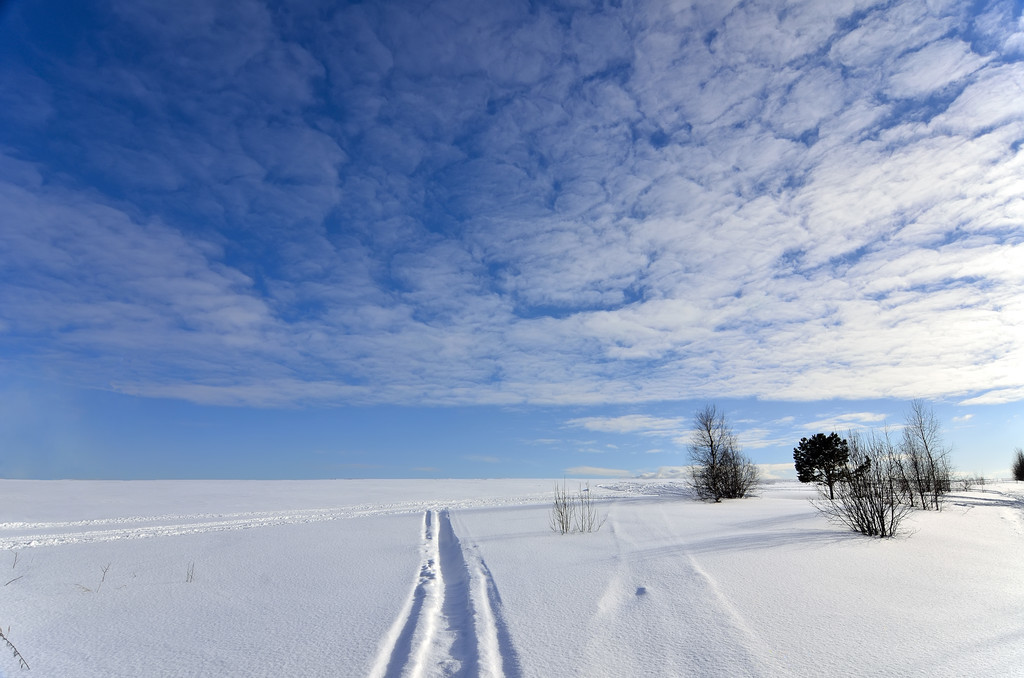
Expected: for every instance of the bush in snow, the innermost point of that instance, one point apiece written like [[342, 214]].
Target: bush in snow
[[574, 512], [870, 498], [967, 483], [718, 470]]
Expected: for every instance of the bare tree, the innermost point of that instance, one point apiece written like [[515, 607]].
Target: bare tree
[[869, 499], [926, 469], [1018, 464], [718, 470]]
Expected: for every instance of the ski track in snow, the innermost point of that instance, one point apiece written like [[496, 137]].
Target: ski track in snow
[[21, 535], [451, 624]]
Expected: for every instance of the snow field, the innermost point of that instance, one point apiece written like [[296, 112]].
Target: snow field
[[275, 601], [761, 587], [464, 578]]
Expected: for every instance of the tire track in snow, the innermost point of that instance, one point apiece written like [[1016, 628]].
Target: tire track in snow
[[451, 623]]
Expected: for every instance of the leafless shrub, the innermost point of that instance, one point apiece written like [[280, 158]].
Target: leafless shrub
[[560, 517], [587, 519], [103, 578], [14, 565], [574, 512], [17, 655], [966, 483], [190, 573], [105, 569], [870, 499]]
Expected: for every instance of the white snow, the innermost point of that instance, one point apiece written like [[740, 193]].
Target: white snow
[[390, 578]]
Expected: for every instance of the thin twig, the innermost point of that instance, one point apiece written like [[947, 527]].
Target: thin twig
[[17, 655], [104, 577]]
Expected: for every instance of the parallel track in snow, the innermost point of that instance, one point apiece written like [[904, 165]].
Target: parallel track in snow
[[451, 624], [26, 534], [22, 535], [631, 610]]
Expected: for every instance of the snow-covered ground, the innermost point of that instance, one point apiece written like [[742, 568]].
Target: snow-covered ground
[[457, 577]]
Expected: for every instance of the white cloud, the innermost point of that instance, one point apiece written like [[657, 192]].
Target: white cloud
[[777, 471], [768, 472], [631, 423], [758, 438], [885, 31], [96, 280], [933, 67], [817, 95], [991, 99], [668, 473], [850, 421], [597, 471], [996, 397], [707, 204]]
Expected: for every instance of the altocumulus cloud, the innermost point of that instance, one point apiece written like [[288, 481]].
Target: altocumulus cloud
[[233, 202]]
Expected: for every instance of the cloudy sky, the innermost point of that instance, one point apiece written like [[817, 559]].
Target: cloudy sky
[[241, 238]]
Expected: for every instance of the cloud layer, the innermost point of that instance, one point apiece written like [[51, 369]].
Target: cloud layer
[[242, 204]]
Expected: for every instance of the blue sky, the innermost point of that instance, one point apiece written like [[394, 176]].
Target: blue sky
[[301, 239]]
